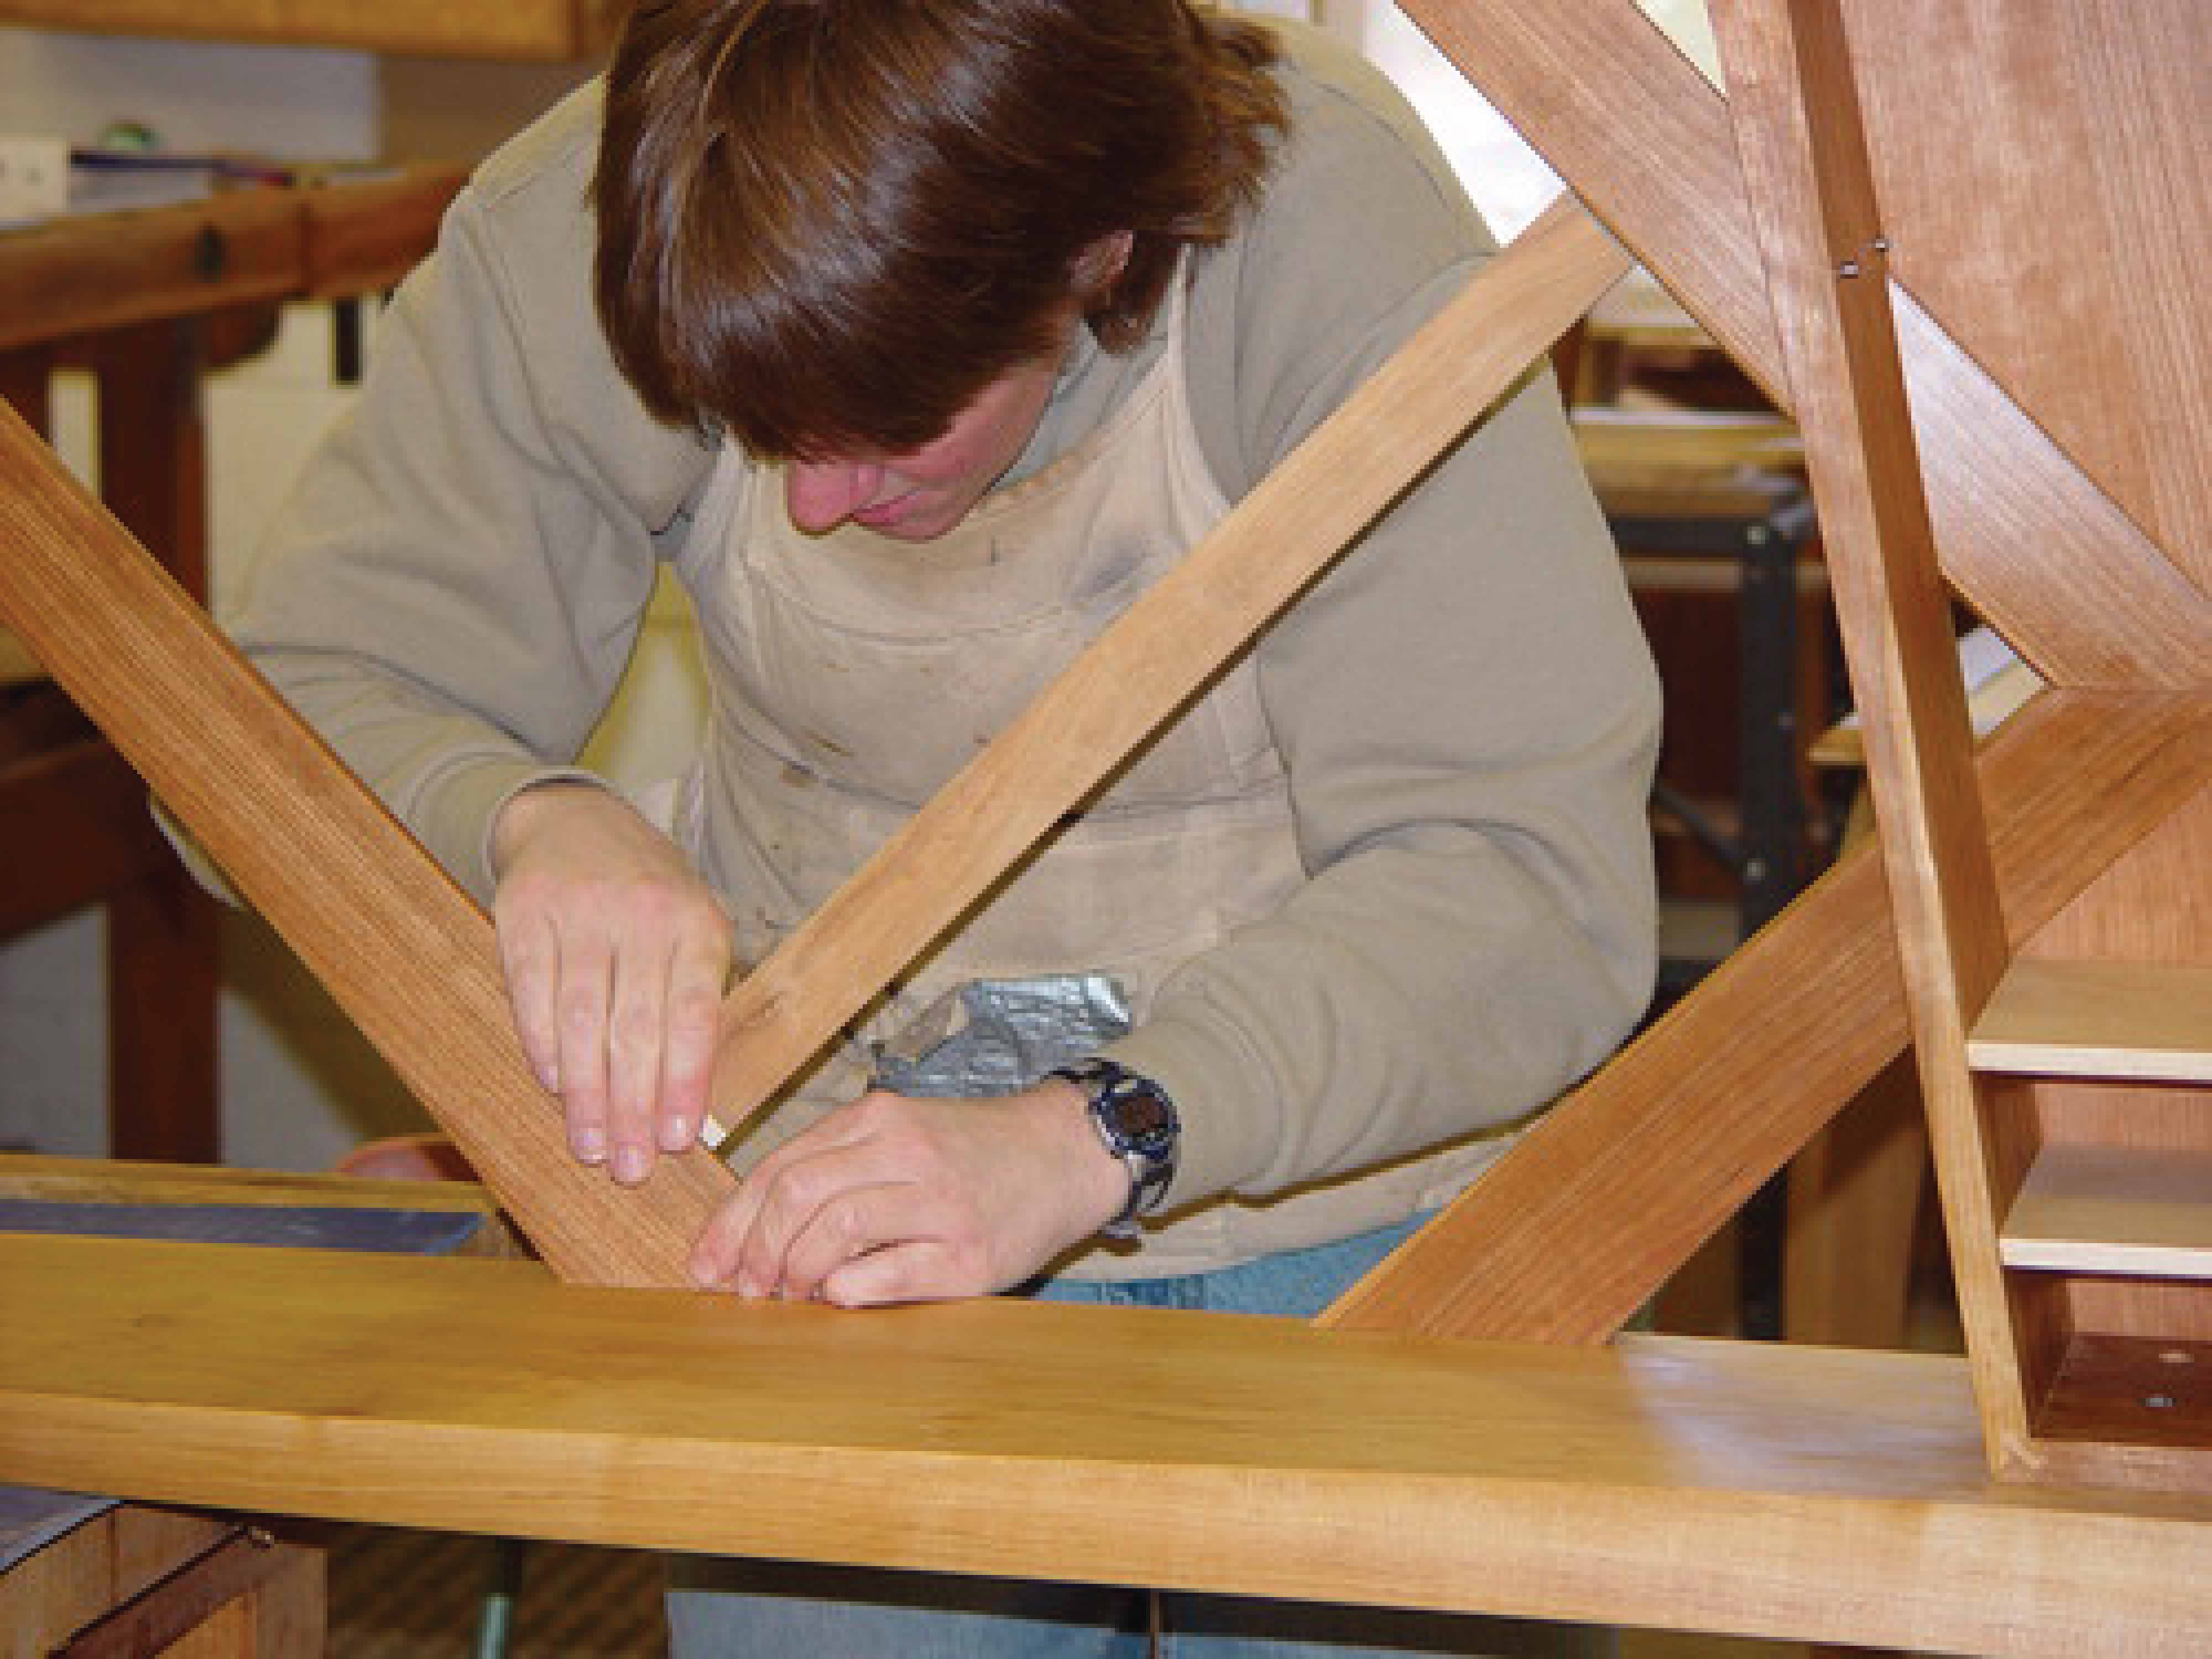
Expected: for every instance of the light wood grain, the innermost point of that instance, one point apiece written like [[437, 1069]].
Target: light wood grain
[[2113, 1210], [94, 1568], [1680, 1127], [524, 30], [2115, 1019], [1648, 143], [1810, 177], [2072, 265], [1158, 653], [402, 950], [1819, 1494]]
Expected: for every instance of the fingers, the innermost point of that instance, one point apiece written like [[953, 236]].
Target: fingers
[[698, 971], [616, 957], [906, 1199], [628, 988], [859, 1245]]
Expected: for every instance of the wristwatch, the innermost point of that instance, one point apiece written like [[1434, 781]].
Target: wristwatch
[[1136, 1121]]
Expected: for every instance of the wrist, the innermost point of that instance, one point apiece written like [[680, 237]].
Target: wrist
[[525, 811], [1135, 1124], [1099, 1183]]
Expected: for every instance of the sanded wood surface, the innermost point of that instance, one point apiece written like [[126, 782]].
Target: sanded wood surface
[[2117, 1019], [93, 1568], [1822, 1495], [2113, 1210], [1681, 1126], [1809, 171], [2070, 127], [525, 30], [402, 949], [1158, 653], [1647, 142]]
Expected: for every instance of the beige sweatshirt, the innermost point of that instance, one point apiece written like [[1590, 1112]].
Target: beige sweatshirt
[[1467, 708]]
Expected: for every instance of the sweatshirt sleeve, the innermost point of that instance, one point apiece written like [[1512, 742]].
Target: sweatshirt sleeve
[[452, 590], [1466, 706]]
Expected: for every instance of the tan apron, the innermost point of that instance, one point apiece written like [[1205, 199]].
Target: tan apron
[[852, 675]]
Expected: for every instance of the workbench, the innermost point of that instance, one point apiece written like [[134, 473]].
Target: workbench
[[149, 302]]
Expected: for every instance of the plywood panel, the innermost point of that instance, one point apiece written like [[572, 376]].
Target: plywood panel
[[1613, 106], [2046, 184]]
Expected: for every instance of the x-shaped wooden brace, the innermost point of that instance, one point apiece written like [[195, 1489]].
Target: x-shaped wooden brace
[[1646, 140]]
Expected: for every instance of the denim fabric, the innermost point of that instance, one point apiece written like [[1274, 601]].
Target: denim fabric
[[734, 1609]]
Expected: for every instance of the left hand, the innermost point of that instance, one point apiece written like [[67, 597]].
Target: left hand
[[898, 1200]]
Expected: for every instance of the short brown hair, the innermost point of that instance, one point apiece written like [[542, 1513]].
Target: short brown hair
[[825, 225]]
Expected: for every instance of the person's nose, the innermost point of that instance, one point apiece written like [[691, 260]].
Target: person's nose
[[823, 495]]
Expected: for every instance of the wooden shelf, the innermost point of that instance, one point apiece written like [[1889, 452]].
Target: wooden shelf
[[2113, 1210], [545, 31], [2145, 1022]]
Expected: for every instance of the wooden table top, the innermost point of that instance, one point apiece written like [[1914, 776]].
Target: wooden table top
[[1801, 1494]]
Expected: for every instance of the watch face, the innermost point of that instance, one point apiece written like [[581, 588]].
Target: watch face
[[1143, 1120]]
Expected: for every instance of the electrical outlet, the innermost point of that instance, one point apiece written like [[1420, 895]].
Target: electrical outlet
[[34, 176]]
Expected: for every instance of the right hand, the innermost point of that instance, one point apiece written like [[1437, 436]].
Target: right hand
[[616, 956]]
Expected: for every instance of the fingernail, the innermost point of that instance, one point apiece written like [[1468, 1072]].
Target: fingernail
[[631, 1164], [675, 1135], [589, 1146]]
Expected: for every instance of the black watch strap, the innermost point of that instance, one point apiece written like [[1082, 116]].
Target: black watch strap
[[1137, 1122]]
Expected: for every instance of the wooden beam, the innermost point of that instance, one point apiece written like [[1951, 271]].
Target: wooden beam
[[1581, 1222], [551, 31], [1159, 653], [402, 950], [77, 830], [1822, 1495]]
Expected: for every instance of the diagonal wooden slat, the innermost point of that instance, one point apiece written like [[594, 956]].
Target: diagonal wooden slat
[[1802, 136], [402, 950], [1159, 653], [1582, 1223]]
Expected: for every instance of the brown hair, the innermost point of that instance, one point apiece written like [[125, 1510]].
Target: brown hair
[[825, 225]]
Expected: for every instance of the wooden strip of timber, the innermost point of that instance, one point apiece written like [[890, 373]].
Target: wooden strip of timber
[[1808, 1494]]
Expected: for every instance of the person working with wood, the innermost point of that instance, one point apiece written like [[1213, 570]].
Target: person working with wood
[[920, 336]]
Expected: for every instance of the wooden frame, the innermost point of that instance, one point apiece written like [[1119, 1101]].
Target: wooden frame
[[1413, 1486], [553, 31]]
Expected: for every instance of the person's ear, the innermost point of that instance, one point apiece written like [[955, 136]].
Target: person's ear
[[1099, 266]]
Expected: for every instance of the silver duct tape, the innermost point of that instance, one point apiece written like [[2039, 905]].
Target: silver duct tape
[[994, 1037]]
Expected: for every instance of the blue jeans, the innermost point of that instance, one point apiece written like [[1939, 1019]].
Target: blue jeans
[[738, 1609]]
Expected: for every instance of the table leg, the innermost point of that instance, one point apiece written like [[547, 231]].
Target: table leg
[[161, 931]]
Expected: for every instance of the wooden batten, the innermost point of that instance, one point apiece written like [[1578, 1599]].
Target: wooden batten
[[2019, 1054], [401, 948]]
